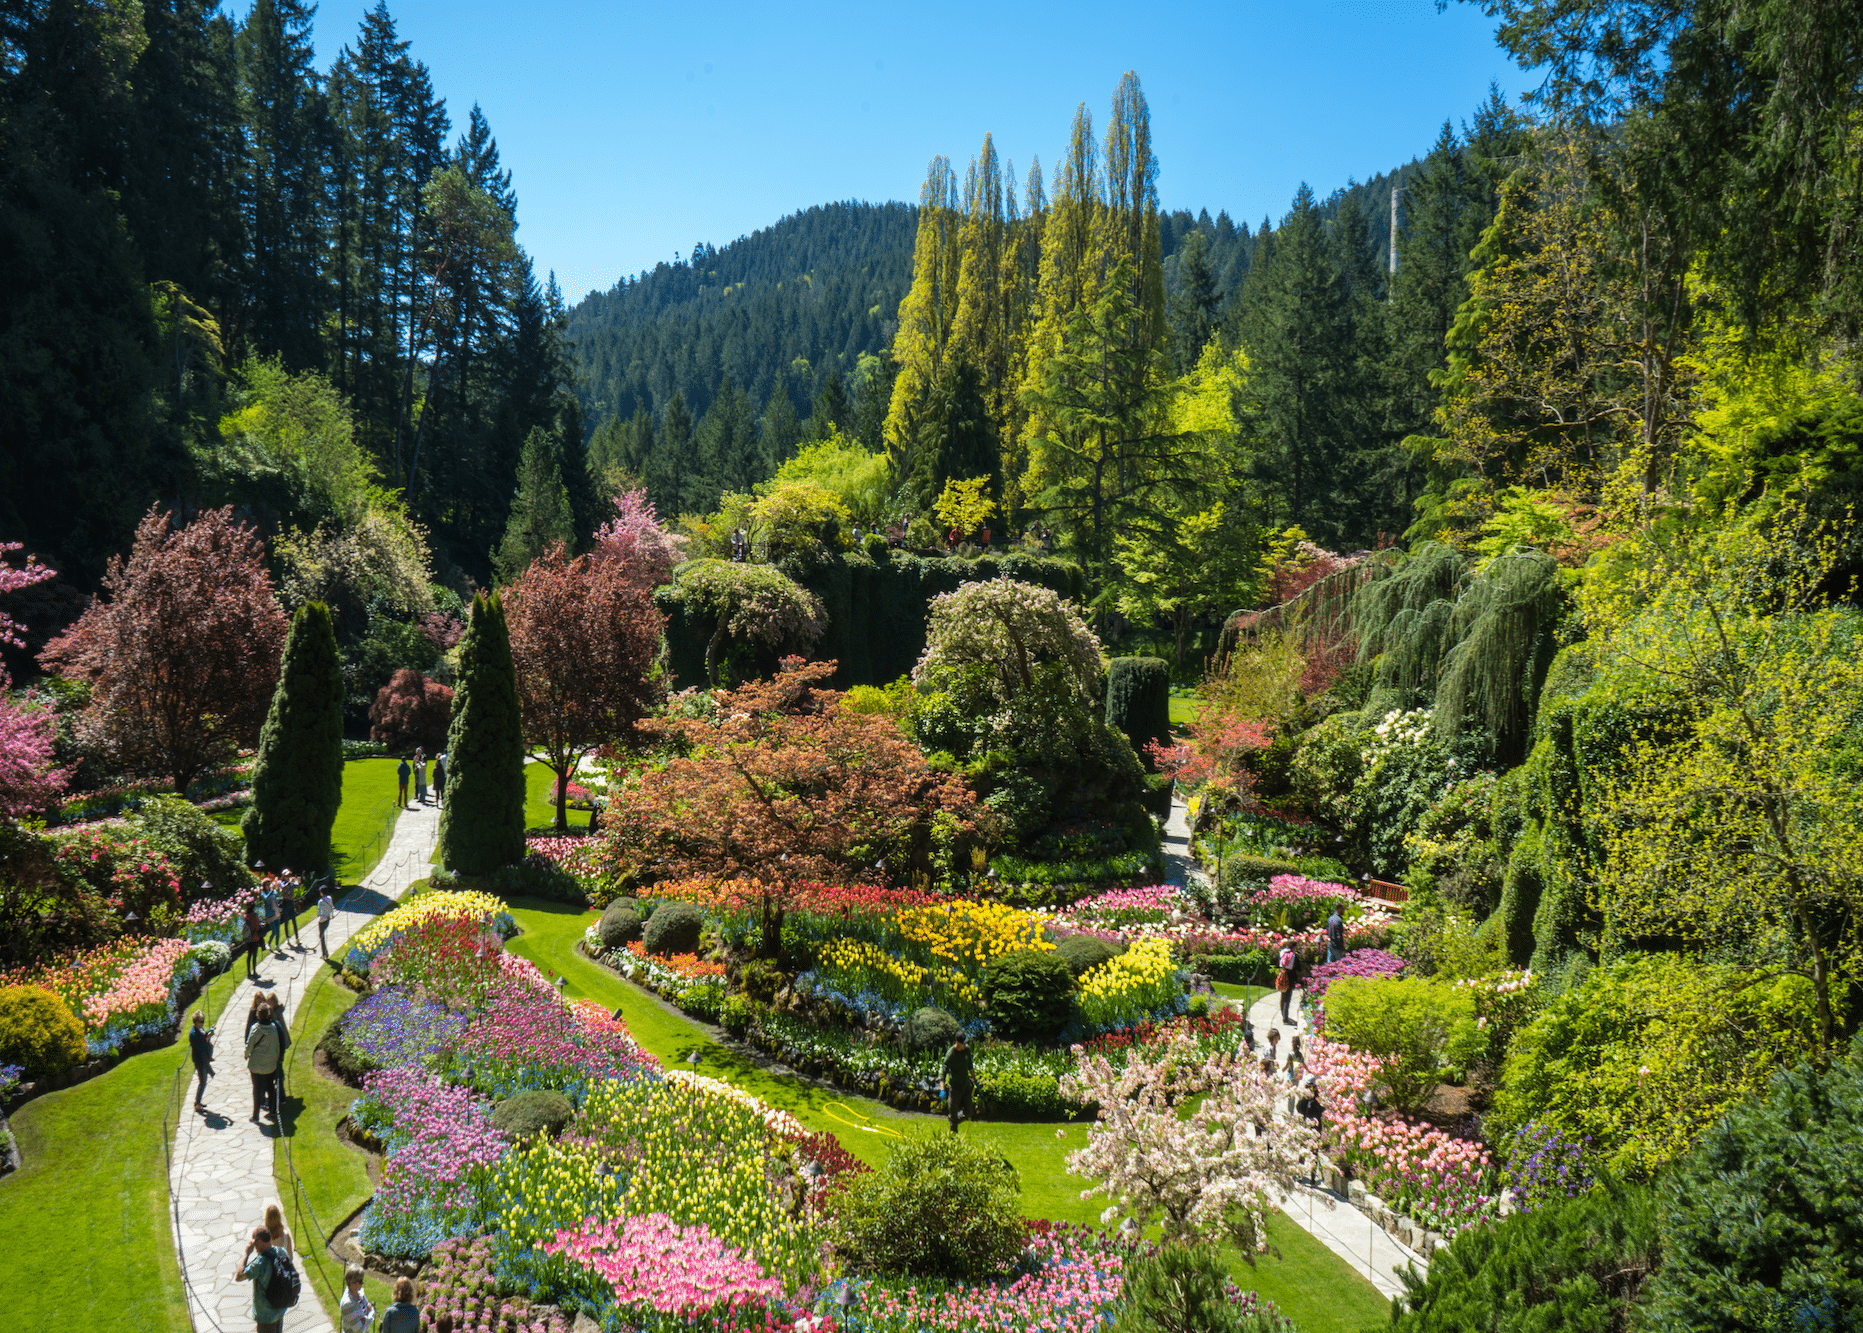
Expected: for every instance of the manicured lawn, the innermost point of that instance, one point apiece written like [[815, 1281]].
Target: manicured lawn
[[335, 1177], [540, 800], [366, 820], [1308, 1281], [1183, 706], [84, 1224]]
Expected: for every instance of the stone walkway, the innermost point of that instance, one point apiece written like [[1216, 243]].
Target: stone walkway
[[221, 1173], [1179, 864], [1345, 1229]]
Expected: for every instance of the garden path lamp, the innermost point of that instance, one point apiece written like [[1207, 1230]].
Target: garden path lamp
[[130, 920]]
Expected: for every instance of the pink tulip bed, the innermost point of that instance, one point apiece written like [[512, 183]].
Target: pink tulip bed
[[120, 991]]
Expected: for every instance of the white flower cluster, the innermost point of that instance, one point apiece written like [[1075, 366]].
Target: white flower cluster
[[778, 1122], [1398, 730]]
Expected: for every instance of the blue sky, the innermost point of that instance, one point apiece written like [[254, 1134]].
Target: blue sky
[[634, 131]]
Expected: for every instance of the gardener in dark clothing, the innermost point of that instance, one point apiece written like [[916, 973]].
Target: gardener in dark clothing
[[1335, 936], [957, 1083]]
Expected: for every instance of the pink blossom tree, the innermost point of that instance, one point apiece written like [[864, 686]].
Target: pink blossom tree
[[28, 780], [1222, 1166], [635, 538]]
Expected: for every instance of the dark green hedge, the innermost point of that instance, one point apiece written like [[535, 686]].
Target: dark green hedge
[[1138, 701], [876, 612]]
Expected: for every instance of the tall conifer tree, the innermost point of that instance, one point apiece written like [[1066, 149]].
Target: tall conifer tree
[[541, 515], [297, 780], [482, 824]]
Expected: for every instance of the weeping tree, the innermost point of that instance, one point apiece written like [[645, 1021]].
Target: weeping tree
[[1475, 643]]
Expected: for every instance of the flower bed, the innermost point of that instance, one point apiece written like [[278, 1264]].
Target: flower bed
[[1077, 1281], [390, 1027], [440, 1157], [373, 938], [105, 802], [1359, 963], [120, 991]]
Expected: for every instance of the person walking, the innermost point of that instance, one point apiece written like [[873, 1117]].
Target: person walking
[[290, 887], [403, 1316], [262, 1061], [958, 1066], [268, 911], [1284, 981], [420, 776], [355, 1310], [404, 773], [257, 1265], [1335, 936], [439, 778], [281, 1234], [200, 1048], [326, 913], [275, 1015], [255, 936]]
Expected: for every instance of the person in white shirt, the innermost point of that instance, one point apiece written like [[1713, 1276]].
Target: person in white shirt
[[355, 1309], [326, 913]]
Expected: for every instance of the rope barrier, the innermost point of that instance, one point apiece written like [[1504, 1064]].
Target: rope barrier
[[172, 1107]]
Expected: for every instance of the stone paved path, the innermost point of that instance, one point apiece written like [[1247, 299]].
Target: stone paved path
[[1179, 865], [1342, 1227], [221, 1173]]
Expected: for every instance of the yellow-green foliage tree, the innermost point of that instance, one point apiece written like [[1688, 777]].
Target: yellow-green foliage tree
[[965, 504], [1739, 826]]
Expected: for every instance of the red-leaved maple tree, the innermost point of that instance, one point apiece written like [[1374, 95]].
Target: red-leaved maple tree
[[785, 785], [182, 649], [585, 634], [411, 710]]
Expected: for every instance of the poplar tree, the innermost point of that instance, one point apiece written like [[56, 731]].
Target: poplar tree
[[297, 780], [482, 824], [929, 312]]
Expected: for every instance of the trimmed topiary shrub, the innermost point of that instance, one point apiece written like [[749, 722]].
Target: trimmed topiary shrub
[[297, 779], [674, 928], [482, 824], [1138, 701], [39, 1031], [529, 1114], [620, 924], [1030, 995], [1082, 953], [928, 1030], [941, 1207]]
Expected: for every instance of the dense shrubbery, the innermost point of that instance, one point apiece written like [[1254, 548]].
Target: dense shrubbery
[[941, 1207], [674, 929], [1029, 995], [38, 1032]]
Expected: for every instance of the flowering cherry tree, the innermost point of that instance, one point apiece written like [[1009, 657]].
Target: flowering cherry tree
[[1011, 628], [635, 539], [28, 781], [1223, 1165]]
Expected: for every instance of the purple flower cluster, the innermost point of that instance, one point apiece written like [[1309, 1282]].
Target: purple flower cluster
[[460, 1285], [440, 1152], [391, 1027], [1545, 1165], [526, 1037], [1358, 963], [9, 1077]]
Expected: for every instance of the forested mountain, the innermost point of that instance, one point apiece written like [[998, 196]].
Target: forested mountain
[[782, 308], [234, 278]]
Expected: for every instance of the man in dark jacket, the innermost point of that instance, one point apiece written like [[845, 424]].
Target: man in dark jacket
[[957, 1082], [200, 1047], [1335, 936]]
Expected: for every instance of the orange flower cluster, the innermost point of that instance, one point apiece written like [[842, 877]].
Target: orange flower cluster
[[688, 965]]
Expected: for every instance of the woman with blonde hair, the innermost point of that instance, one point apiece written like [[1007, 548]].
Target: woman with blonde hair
[[281, 1234]]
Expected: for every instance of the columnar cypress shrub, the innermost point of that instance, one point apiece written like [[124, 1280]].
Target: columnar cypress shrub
[[1138, 701], [482, 826], [297, 781]]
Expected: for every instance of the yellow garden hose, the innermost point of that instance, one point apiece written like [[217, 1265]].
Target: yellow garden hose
[[856, 1124]]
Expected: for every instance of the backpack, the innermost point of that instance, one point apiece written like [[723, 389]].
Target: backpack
[[284, 1287]]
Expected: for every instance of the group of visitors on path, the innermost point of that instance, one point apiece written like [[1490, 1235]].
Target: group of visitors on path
[[268, 1037], [417, 770], [270, 1264], [282, 897]]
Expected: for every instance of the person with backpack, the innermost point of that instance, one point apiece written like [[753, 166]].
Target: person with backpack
[[274, 1278], [263, 1057]]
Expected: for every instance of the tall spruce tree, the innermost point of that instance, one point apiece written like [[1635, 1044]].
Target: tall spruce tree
[[541, 515], [297, 780], [482, 825]]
